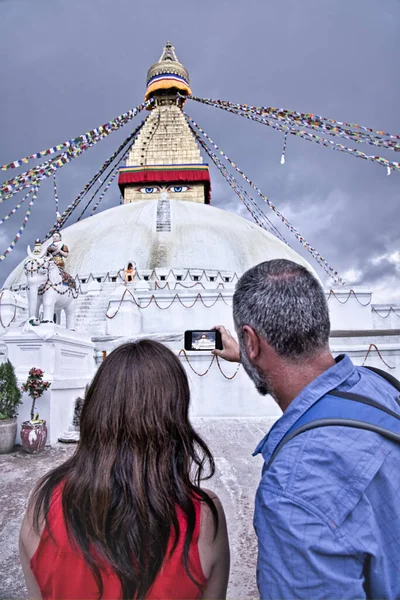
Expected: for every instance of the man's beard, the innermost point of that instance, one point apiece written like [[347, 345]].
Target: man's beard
[[262, 384]]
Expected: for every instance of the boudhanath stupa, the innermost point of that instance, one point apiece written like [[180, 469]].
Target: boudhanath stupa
[[164, 261]]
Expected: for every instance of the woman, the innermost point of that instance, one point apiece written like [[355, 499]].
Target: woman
[[125, 516]]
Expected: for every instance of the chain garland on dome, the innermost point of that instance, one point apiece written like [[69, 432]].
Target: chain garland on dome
[[375, 347], [291, 122], [79, 284], [166, 286], [195, 128], [350, 294], [153, 299], [389, 310], [215, 357], [153, 273]]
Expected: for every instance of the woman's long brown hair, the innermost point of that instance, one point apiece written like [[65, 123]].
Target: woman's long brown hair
[[137, 460]]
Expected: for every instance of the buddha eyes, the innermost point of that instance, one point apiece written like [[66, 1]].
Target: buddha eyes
[[149, 190], [177, 189]]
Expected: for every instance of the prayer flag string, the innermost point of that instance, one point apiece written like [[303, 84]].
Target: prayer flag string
[[56, 200], [14, 210], [82, 140], [260, 218], [25, 180], [21, 229], [357, 133], [283, 157], [100, 198], [316, 255], [291, 126], [42, 171], [71, 207], [50, 166], [232, 182], [126, 145]]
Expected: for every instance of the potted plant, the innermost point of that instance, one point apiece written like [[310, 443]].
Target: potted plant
[[34, 432], [10, 398]]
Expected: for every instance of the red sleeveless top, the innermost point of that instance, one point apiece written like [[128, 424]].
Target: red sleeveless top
[[62, 573]]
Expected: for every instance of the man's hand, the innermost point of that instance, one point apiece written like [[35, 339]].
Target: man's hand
[[230, 351]]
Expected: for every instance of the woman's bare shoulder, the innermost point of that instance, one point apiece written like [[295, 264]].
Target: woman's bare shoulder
[[214, 548]]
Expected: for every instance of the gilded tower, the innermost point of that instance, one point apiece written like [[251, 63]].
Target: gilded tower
[[165, 158]]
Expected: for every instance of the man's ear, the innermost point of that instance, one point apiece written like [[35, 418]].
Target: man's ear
[[251, 342]]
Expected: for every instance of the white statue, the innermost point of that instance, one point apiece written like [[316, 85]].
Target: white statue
[[49, 287], [57, 250]]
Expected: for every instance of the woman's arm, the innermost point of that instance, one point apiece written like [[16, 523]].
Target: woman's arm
[[28, 543], [214, 552]]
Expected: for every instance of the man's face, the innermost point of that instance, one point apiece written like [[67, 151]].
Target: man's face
[[56, 237], [256, 375]]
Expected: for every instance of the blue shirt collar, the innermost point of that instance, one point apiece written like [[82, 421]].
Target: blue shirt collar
[[330, 379]]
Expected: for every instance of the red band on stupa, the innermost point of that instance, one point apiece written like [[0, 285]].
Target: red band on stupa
[[166, 174]]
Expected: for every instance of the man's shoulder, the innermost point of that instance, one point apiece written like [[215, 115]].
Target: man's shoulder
[[377, 387], [329, 468]]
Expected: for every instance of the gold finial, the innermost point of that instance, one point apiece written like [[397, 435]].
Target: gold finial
[[167, 73], [168, 53]]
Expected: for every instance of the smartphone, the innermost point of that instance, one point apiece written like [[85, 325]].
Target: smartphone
[[202, 340]]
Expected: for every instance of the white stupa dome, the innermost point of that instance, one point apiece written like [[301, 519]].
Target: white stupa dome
[[200, 237]]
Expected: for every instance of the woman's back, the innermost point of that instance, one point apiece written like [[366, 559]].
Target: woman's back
[[61, 571], [126, 516]]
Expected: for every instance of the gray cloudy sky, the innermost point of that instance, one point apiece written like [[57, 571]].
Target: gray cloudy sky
[[70, 65]]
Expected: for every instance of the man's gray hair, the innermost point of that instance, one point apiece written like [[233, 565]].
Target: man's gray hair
[[285, 304]]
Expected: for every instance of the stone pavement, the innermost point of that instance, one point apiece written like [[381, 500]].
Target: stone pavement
[[231, 442]]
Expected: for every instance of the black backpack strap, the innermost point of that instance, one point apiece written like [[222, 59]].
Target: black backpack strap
[[363, 400], [389, 378], [334, 409]]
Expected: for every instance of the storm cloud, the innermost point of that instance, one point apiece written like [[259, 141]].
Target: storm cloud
[[69, 66]]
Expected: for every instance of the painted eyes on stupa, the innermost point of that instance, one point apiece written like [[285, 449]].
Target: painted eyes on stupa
[[177, 189], [149, 190]]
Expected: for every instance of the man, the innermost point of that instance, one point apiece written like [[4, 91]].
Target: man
[[327, 512], [57, 250]]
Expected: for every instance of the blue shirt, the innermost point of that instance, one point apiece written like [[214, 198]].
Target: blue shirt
[[327, 512]]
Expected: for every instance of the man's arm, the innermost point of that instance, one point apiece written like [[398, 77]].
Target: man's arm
[[230, 351], [301, 555]]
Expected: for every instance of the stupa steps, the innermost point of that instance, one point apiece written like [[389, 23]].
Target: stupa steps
[[91, 312]]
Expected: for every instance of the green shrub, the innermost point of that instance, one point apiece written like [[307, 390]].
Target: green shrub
[[10, 394]]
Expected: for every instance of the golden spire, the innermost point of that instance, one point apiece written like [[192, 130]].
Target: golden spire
[[167, 74]]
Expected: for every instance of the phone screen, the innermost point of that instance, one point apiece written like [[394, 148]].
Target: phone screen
[[203, 340]]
